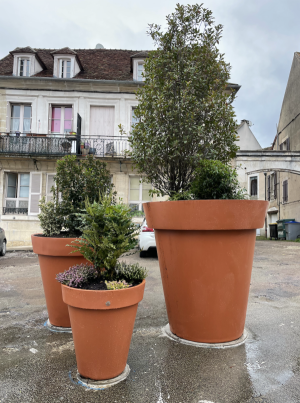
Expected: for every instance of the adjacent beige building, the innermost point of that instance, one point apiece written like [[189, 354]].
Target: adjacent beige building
[[274, 173]]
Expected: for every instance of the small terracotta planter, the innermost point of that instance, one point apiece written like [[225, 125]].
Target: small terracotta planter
[[102, 325], [205, 250], [54, 258]]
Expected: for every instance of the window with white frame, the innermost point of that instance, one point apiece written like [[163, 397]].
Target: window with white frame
[[20, 120], [138, 192], [23, 191], [64, 68], [140, 71], [61, 119], [17, 191], [23, 67], [253, 187], [133, 118], [50, 183]]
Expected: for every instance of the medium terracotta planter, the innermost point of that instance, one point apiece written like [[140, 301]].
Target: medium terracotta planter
[[205, 250], [102, 325], [54, 258]]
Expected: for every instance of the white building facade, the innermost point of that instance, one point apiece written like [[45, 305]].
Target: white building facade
[[60, 102]]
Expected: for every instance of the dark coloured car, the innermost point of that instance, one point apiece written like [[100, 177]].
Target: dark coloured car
[[2, 242]]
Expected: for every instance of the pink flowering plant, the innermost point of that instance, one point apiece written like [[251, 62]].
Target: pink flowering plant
[[77, 276]]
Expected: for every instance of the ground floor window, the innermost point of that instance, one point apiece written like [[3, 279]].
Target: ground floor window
[[138, 192], [17, 192], [23, 191]]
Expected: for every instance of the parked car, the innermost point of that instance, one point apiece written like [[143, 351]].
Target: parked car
[[146, 239], [2, 242]]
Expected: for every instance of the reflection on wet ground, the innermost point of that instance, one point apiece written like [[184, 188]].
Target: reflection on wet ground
[[39, 366]]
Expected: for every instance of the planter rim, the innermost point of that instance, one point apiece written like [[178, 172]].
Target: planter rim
[[204, 214], [102, 299], [50, 246]]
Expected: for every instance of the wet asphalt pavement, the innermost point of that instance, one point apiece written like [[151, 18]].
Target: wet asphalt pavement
[[37, 365]]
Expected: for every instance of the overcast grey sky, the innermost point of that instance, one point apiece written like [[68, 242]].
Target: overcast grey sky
[[259, 40]]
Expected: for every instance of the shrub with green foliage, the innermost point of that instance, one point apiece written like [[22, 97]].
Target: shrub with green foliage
[[76, 181], [108, 232], [215, 180], [50, 217]]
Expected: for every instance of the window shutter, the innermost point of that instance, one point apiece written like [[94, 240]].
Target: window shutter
[[49, 118], [35, 193], [8, 116], [288, 144], [275, 185], [286, 191], [281, 146], [50, 183], [269, 183]]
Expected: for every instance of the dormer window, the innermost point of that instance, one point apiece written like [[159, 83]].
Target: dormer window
[[138, 67], [140, 71], [24, 67], [66, 63], [65, 68], [27, 62]]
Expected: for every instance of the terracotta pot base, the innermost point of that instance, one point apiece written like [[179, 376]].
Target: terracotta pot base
[[55, 257], [235, 343], [205, 250], [102, 325], [57, 329], [107, 383]]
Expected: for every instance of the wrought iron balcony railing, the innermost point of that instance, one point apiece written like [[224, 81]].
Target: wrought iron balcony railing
[[14, 210], [42, 144], [37, 144], [106, 146]]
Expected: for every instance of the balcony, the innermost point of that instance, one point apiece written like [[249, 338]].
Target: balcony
[[14, 210], [60, 145], [31, 144], [110, 147]]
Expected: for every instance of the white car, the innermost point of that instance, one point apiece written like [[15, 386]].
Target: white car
[[146, 239]]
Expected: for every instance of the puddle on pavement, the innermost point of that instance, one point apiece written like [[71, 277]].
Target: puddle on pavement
[[265, 376]]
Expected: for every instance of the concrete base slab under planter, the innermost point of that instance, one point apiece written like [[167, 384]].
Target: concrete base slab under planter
[[107, 383], [167, 332], [57, 329]]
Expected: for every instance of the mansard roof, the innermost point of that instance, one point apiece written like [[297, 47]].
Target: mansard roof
[[97, 64]]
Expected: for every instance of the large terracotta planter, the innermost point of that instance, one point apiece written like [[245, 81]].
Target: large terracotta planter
[[205, 250], [102, 325], [54, 258]]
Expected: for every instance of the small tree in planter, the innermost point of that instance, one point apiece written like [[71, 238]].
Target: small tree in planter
[[205, 247], [75, 181], [103, 298], [185, 107]]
